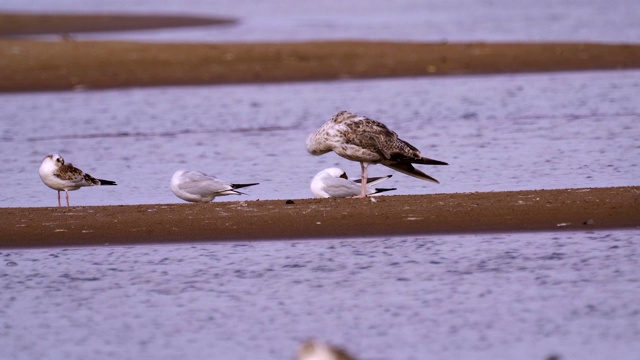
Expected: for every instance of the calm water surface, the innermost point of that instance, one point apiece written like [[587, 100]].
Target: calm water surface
[[412, 20], [500, 296], [507, 132]]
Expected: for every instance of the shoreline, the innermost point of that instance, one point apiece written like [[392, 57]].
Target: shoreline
[[21, 24], [401, 215]]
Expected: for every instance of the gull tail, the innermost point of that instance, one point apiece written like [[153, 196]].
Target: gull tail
[[407, 168], [380, 190], [233, 190], [106, 182], [238, 186], [373, 180], [427, 161]]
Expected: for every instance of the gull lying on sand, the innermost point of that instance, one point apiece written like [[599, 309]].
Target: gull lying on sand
[[315, 350], [60, 176], [367, 141], [334, 183], [194, 186]]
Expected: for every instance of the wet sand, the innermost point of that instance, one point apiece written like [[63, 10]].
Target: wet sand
[[67, 64], [535, 210], [62, 24]]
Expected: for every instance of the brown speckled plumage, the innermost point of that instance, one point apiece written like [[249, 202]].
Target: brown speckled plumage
[[58, 175], [71, 173], [359, 138]]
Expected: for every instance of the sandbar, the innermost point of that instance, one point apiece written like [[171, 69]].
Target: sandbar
[[587, 209]]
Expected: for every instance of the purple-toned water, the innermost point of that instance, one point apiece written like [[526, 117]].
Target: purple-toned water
[[508, 132], [500, 296], [489, 296], [615, 21]]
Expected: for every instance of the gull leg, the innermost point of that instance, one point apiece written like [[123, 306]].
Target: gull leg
[[66, 192], [363, 187], [59, 199]]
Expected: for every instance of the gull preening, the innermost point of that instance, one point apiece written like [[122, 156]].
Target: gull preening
[[316, 350], [334, 183], [60, 176], [367, 141], [194, 186]]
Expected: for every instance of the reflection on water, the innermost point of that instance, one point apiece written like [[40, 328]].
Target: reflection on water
[[507, 132], [492, 296]]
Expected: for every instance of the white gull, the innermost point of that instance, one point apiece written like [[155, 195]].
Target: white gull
[[194, 186], [334, 183]]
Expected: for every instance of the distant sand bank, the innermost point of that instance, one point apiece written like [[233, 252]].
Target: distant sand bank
[[67, 64]]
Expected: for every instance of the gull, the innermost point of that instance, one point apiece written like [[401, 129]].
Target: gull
[[60, 176], [358, 138], [194, 186], [315, 350], [334, 183]]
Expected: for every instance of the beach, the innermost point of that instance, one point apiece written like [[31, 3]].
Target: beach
[[526, 249], [535, 210], [66, 64], [31, 65]]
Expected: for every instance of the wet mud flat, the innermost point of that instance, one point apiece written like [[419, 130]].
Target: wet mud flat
[[534, 210], [67, 65], [30, 65]]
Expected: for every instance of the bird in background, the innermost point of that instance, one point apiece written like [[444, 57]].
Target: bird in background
[[334, 183], [316, 350], [359, 138], [58, 175], [194, 186]]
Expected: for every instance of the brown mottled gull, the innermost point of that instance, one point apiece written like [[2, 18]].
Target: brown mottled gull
[[58, 175], [367, 141]]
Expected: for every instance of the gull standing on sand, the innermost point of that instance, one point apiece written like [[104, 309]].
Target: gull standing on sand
[[194, 186], [334, 183], [60, 176], [367, 141], [316, 350]]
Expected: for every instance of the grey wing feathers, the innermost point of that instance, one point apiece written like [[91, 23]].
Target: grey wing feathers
[[201, 184], [339, 187]]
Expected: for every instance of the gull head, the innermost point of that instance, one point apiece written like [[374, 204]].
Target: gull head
[[52, 162], [336, 173], [316, 145]]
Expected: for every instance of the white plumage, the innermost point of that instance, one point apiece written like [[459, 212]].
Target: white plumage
[[334, 183], [194, 186]]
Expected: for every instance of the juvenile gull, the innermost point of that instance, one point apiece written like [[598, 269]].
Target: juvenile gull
[[60, 176], [334, 183], [367, 141], [194, 186]]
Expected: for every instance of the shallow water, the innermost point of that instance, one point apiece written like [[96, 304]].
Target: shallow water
[[413, 20], [506, 132], [492, 296]]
